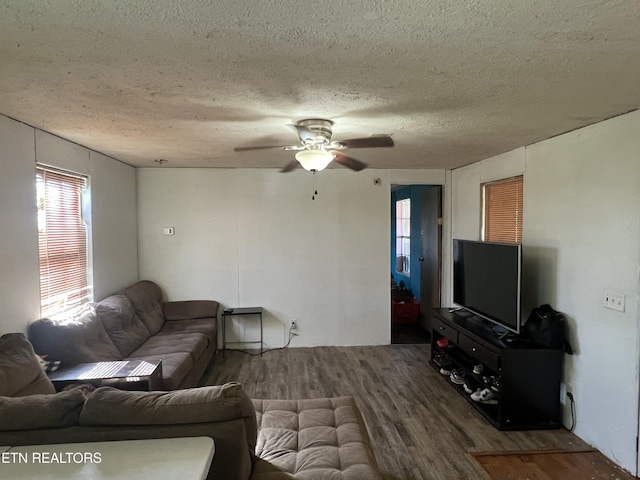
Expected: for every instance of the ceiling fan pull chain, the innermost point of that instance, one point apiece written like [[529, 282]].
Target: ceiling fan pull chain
[[315, 190]]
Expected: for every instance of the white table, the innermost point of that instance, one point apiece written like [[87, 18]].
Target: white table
[[186, 458]]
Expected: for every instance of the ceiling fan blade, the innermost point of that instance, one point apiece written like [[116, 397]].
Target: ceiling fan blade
[[349, 162], [368, 142], [259, 147], [290, 166]]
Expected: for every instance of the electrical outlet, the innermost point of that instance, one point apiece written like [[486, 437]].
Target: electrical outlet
[[293, 328], [614, 301], [570, 388], [566, 391]]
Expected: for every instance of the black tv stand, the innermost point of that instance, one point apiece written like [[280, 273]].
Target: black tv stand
[[525, 378]]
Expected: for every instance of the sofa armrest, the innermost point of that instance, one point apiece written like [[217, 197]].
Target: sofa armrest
[[189, 309], [41, 410]]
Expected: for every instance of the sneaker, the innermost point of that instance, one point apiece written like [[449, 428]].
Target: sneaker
[[495, 384], [477, 369], [443, 342], [457, 376], [442, 360], [467, 387], [485, 396]]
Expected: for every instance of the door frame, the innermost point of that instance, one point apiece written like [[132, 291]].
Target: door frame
[[445, 235]]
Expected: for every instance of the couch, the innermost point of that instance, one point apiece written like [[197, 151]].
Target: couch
[[135, 323], [32, 413], [313, 439]]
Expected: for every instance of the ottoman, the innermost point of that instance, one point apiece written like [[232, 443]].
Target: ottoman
[[314, 439]]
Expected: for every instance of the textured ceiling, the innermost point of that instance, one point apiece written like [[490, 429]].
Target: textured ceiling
[[452, 81]]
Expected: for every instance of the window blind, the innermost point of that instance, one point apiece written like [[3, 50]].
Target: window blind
[[62, 241], [403, 236], [503, 211]]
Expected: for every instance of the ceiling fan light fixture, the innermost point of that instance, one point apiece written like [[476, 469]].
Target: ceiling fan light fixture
[[314, 160]]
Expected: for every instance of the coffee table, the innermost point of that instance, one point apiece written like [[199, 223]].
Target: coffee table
[[134, 374], [185, 458]]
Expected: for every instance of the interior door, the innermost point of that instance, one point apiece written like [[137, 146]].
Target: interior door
[[431, 252]]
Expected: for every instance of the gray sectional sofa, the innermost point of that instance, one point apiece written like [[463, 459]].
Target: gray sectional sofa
[[313, 439], [32, 413], [135, 323]]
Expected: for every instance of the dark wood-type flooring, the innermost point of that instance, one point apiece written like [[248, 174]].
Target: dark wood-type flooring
[[420, 427], [554, 465]]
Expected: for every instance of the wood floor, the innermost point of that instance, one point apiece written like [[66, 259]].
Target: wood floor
[[420, 427], [553, 465]]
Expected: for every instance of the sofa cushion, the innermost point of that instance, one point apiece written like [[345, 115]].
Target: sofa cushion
[[20, 371], [175, 368], [110, 406], [126, 330], [320, 439], [205, 326], [41, 410], [192, 343], [146, 298], [190, 309], [80, 338]]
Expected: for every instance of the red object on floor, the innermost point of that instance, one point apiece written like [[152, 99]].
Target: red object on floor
[[405, 311]]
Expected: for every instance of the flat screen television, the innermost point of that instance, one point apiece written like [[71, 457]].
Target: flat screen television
[[487, 280]]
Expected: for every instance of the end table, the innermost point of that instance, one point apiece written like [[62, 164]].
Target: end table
[[228, 312]]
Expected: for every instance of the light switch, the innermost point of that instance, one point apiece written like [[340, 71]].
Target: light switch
[[168, 231], [614, 301]]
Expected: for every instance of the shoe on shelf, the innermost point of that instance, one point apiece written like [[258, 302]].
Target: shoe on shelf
[[485, 396], [467, 387], [477, 369], [443, 342], [457, 376], [442, 360], [495, 384], [446, 366]]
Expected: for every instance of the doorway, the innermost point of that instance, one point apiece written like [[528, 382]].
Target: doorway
[[416, 260]]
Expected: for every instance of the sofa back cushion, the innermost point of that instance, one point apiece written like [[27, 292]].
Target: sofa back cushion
[[146, 298], [110, 406], [41, 411], [124, 327], [80, 338], [20, 371]]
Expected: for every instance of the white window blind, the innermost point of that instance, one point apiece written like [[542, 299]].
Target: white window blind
[[62, 241], [403, 236], [503, 211]]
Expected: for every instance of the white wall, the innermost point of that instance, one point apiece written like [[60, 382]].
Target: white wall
[[19, 280], [582, 227], [581, 239], [254, 237], [113, 212]]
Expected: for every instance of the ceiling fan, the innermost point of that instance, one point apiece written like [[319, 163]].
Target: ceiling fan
[[318, 150]]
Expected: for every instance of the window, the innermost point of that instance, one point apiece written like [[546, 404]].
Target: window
[[403, 235], [62, 241], [502, 205]]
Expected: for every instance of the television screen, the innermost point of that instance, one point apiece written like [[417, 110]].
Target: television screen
[[487, 279]]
